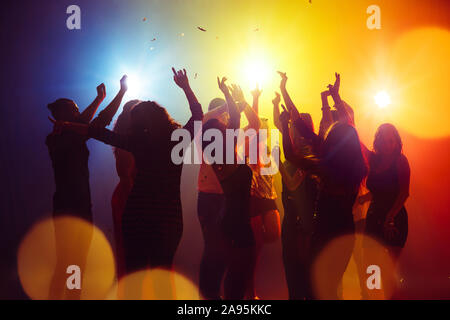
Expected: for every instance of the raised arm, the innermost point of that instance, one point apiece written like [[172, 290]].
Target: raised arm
[[287, 142], [105, 117], [223, 171], [181, 80], [344, 110], [334, 89], [88, 113], [235, 115], [276, 111], [327, 118], [250, 113], [256, 93], [287, 99]]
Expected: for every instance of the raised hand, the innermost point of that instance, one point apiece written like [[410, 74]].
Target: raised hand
[[337, 82], [101, 91], [123, 84], [256, 92], [334, 89], [276, 101], [180, 78], [222, 85], [237, 93], [284, 78]]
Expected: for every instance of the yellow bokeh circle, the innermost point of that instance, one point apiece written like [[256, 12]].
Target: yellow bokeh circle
[[358, 275], [51, 250], [154, 284]]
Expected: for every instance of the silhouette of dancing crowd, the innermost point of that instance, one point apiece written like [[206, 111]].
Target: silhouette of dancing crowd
[[325, 176]]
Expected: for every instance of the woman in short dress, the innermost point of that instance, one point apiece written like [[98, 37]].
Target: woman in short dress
[[388, 185]]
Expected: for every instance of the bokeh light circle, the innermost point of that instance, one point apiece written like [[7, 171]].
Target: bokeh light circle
[[154, 284], [356, 274], [51, 246]]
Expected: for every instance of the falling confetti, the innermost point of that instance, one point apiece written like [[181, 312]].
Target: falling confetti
[[154, 39], [144, 19], [257, 29], [201, 29], [195, 76], [151, 48], [182, 34], [217, 38]]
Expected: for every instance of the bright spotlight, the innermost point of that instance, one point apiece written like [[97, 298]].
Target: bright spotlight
[[134, 86], [257, 72], [382, 99]]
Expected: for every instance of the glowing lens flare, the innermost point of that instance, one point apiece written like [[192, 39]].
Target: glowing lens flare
[[257, 72], [134, 86], [382, 99]]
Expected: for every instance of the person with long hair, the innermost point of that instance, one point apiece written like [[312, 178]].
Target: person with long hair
[[69, 155], [210, 205], [340, 167], [265, 218], [152, 222], [299, 195], [388, 184], [235, 179], [126, 171]]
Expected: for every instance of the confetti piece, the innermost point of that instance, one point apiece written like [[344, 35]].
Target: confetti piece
[[151, 48], [144, 19], [257, 29], [217, 38], [195, 76], [201, 29], [154, 39], [182, 34]]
